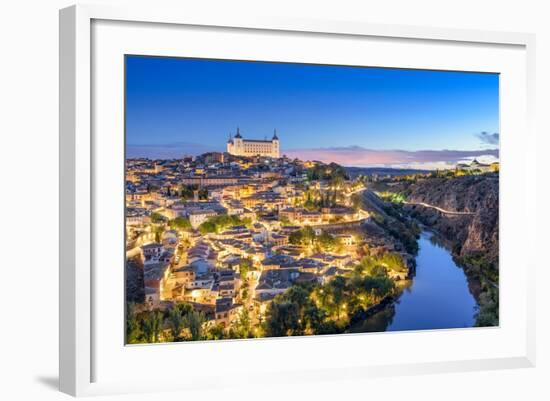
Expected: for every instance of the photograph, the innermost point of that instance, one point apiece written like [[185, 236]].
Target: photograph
[[308, 200], [275, 199]]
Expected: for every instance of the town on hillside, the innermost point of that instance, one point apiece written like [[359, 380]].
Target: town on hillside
[[249, 243]]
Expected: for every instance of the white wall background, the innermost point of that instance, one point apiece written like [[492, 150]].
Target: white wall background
[[29, 186]]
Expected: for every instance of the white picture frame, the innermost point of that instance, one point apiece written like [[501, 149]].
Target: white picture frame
[[79, 344]]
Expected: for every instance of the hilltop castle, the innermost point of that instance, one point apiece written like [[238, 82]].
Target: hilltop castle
[[238, 146]]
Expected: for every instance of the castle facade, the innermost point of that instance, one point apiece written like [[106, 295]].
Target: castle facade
[[238, 146]]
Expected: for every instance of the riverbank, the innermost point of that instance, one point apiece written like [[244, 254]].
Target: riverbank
[[464, 212], [482, 281], [438, 297]]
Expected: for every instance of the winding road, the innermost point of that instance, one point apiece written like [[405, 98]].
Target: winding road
[[444, 211], [439, 209]]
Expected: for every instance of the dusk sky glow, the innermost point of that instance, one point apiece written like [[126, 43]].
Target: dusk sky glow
[[352, 115]]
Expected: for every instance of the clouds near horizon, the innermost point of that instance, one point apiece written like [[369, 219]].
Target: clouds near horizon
[[345, 155], [487, 138], [361, 157]]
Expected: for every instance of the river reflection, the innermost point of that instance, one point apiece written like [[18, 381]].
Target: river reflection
[[438, 298]]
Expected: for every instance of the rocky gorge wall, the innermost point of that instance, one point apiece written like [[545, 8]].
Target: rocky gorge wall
[[473, 236]]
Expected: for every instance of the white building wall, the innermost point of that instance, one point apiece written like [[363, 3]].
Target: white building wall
[[242, 147]]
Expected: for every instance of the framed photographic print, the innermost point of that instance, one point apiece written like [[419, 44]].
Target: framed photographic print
[[300, 199]]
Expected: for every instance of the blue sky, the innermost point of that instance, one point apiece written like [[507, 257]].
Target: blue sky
[[352, 115]]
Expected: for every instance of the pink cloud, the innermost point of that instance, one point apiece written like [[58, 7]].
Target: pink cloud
[[358, 156]]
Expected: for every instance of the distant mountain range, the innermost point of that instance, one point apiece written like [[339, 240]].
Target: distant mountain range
[[382, 171]]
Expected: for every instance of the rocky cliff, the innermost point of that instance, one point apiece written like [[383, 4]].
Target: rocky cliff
[[474, 236]]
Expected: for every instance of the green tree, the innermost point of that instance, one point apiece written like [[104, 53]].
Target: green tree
[[158, 230], [194, 321], [245, 266], [208, 227], [243, 325], [181, 223], [216, 332], [326, 309], [186, 192], [295, 237], [381, 264], [326, 172], [282, 319], [328, 243], [293, 313], [152, 325], [337, 288], [203, 193], [488, 312], [134, 334], [323, 242], [176, 318], [246, 221], [157, 218], [219, 223], [245, 291], [284, 221]]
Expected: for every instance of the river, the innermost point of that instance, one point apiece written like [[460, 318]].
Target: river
[[439, 296]]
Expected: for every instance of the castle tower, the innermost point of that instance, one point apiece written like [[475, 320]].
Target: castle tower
[[275, 144], [230, 145], [238, 143]]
